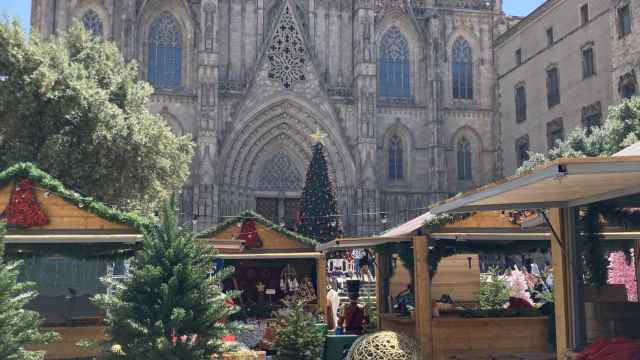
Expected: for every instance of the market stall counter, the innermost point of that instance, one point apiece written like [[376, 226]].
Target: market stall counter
[[438, 309], [66, 242], [271, 264]]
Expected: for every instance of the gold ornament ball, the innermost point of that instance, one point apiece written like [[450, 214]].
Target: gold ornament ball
[[384, 345]]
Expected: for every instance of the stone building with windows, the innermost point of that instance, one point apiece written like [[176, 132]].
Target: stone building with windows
[[404, 90], [625, 48], [554, 75]]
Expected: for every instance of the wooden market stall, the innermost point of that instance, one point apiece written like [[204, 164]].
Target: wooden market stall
[[67, 242], [270, 261], [561, 188], [448, 336]]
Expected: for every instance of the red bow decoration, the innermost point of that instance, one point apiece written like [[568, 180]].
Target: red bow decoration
[[249, 234], [23, 209]]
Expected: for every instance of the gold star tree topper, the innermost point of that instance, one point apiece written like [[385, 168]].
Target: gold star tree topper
[[319, 136]]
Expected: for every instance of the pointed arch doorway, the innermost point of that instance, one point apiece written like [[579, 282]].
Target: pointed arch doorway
[[279, 188]]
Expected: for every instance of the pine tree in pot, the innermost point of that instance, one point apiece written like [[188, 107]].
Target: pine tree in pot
[[171, 307], [299, 337], [318, 217], [18, 327]]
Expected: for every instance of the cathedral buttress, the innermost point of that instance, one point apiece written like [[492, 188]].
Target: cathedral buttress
[[365, 90], [207, 133]]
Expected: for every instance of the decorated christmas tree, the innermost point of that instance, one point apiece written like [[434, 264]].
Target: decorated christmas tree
[[19, 327], [318, 218], [171, 307]]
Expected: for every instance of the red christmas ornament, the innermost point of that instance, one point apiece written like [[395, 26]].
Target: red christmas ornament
[[23, 209], [249, 234]]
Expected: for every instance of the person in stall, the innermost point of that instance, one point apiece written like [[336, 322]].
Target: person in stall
[[405, 301], [352, 317]]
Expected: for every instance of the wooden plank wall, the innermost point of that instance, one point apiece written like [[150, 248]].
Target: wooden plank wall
[[454, 277], [62, 214], [460, 338], [271, 239], [66, 347]]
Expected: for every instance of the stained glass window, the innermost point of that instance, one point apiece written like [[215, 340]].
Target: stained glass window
[[395, 158], [393, 65], [462, 69], [165, 52], [92, 22], [464, 160]]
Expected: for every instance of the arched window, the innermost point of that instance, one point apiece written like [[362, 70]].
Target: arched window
[[464, 160], [627, 85], [393, 65], [165, 52], [395, 158], [462, 69], [280, 174], [92, 22]]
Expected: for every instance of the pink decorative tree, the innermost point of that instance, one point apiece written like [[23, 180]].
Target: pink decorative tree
[[622, 272]]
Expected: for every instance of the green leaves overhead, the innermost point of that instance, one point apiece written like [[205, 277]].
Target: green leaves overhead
[[74, 107]]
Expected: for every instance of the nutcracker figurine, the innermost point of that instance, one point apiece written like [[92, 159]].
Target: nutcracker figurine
[[353, 317]]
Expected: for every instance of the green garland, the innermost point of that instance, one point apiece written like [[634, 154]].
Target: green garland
[[30, 171], [260, 219]]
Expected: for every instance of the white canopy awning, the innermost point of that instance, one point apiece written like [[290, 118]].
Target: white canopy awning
[[361, 243], [563, 183], [409, 227]]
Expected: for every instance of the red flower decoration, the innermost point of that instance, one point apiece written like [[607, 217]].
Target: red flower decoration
[[249, 234], [23, 209]]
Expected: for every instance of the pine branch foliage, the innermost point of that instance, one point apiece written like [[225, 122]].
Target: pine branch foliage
[[172, 306]]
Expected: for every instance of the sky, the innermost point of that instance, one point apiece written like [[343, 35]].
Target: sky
[[22, 9]]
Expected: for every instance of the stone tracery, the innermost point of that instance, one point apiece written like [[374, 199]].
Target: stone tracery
[[287, 54], [280, 173]]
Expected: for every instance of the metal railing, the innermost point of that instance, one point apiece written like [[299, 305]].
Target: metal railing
[[362, 212]]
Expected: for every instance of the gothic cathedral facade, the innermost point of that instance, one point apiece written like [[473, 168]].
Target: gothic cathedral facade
[[404, 89]]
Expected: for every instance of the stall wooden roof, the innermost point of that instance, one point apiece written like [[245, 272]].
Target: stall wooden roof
[[73, 218], [479, 226], [560, 184], [275, 239]]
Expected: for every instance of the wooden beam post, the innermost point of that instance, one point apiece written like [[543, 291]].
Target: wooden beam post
[[321, 282], [422, 286], [560, 263], [636, 255]]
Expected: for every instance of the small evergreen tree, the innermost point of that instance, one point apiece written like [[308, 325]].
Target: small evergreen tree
[[299, 338], [172, 306], [318, 208], [494, 291], [18, 327]]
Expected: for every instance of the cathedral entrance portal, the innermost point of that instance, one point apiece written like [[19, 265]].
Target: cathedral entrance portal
[[279, 189]]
